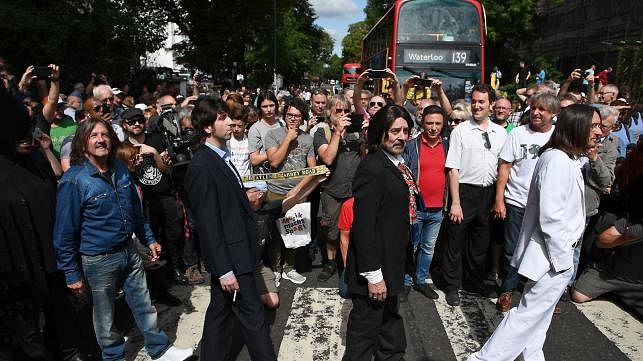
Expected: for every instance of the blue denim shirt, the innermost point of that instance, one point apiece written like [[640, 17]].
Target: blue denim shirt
[[96, 214]]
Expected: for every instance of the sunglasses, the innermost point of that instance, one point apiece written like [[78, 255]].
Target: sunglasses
[[487, 143], [344, 111], [133, 121], [379, 104], [457, 121]]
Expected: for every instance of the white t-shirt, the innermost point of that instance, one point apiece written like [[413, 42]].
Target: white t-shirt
[[477, 165], [521, 149], [239, 154]]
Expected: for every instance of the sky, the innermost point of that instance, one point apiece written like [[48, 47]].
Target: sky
[[336, 15]]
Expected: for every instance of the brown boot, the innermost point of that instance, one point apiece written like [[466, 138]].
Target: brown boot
[[193, 275], [504, 301]]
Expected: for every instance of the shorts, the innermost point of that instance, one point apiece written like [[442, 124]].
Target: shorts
[[329, 217], [265, 280], [594, 283]]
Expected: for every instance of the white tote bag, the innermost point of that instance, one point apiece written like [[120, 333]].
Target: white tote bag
[[294, 227]]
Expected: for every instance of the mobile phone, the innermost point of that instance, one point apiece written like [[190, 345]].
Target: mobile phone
[[322, 119], [37, 133], [356, 123], [423, 82], [41, 72], [585, 74], [378, 74]]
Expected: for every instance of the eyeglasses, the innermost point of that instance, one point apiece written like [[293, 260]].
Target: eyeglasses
[[133, 121], [457, 121], [293, 116], [344, 111], [379, 104], [110, 99], [487, 143]]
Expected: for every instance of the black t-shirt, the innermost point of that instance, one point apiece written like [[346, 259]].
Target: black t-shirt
[[153, 182], [340, 183]]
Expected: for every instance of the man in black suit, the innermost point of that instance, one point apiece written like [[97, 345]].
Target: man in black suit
[[228, 234], [379, 248]]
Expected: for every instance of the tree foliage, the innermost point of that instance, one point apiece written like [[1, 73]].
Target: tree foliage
[[352, 43], [220, 33], [102, 36]]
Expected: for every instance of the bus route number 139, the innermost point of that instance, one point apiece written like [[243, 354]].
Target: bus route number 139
[[459, 57]]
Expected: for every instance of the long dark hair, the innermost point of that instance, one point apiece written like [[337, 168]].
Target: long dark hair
[[381, 123], [572, 130], [84, 130], [267, 95]]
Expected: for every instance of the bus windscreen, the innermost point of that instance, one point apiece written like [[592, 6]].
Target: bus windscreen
[[423, 21]]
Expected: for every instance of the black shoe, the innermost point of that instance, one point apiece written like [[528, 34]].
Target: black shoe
[[179, 277], [404, 296], [481, 289], [426, 290], [453, 298], [328, 271], [167, 298]]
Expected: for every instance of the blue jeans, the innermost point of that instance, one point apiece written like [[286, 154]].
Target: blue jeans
[[425, 233], [106, 274], [513, 222]]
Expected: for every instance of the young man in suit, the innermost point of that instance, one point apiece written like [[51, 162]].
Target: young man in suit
[[228, 234], [379, 247], [552, 227]]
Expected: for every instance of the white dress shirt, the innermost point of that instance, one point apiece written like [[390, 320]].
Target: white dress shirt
[[477, 165]]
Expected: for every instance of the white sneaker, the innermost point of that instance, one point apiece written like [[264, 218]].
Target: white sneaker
[[176, 354], [277, 279], [294, 277]]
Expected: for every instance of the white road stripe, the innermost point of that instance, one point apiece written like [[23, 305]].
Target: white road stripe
[[469, 325], [625, 331], [315, 328]]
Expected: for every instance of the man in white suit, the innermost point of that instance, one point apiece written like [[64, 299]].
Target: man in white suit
[[552, 226]]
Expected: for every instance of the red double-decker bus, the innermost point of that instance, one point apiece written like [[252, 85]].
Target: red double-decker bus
[[443, 39], [350, 73]]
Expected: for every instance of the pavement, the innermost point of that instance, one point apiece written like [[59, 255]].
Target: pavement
[[310, 324]]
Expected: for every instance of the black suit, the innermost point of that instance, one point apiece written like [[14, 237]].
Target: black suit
[[379, 240], [229, 237]]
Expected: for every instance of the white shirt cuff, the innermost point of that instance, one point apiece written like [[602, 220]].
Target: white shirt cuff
[[230, 273], [373, 276]]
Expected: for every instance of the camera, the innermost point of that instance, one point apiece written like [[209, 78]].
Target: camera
[[41, 72], [105, 109], [585, 74], [179, 141]]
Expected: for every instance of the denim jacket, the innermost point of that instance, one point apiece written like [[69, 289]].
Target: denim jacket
[[96, 214]]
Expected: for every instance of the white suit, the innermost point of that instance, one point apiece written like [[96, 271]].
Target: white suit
[[554, 221]]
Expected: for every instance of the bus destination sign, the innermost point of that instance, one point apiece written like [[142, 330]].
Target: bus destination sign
[[440, 56]]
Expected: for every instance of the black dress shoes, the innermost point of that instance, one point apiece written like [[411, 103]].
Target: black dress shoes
[[453, 298], [426, 290]]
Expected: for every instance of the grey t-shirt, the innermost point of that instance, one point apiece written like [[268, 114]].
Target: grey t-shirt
[[340, 183], [298, 153], [256, 136]]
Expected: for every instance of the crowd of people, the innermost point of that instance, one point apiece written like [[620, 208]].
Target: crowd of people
[[121, 193]]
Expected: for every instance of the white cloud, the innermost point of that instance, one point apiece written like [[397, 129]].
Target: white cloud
[[334, 8]]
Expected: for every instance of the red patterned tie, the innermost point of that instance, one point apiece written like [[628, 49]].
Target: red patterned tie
[[413, 191]]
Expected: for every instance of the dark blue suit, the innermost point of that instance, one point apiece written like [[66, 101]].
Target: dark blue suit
[[229, 237]]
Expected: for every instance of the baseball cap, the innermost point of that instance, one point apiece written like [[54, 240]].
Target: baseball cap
[[131, 113]]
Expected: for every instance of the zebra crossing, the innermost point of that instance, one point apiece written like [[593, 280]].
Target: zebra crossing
[[310, 324]]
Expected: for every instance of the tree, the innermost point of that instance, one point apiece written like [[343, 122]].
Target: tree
[[221, 33], [102, 36], [352, 42]]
